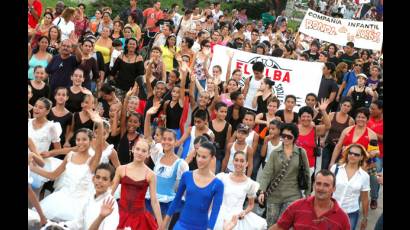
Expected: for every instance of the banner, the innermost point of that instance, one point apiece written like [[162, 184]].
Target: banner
[[290, 76], [364, 34]]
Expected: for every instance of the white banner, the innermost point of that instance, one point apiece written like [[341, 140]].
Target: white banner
[[364, 34], [290, 76]]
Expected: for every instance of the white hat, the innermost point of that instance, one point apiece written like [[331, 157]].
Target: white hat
[[362, 75]]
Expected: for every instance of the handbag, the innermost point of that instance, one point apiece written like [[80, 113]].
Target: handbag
[[303, 179]]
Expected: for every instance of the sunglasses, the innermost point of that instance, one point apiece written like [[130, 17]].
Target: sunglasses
[[287, 136], [355, 154], [358, 65]]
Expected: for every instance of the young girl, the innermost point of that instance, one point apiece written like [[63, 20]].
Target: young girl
[[222, 131], [66, 203], [43, 133], [191, 158], [236, 112], [264, 119], [239, 145], [81, 119], [129, 136], [76, 92], [271, 141], [108, 153], [168, 169], [237, 187], [38, 86], [201, 188], [231, 86], [359, 94], [135, 178], [61, 115]]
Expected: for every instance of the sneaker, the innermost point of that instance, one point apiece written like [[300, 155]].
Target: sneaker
[[373, 204]]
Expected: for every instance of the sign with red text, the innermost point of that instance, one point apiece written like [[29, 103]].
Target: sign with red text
[[364, 34], [290, 76]]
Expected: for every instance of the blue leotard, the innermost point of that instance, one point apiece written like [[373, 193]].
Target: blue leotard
[[194, 215]]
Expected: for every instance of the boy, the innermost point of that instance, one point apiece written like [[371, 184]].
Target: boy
[[117, 51], [252, 84], [101, 210]]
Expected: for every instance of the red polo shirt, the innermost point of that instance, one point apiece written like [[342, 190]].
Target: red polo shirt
[[377, 127], [301, 215], [38, 7]]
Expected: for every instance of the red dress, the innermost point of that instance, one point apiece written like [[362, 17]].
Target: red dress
[[132, 205], [363, 140]]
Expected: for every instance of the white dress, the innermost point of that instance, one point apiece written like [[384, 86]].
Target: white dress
[[232, 204], [42, 139], [66, 203]]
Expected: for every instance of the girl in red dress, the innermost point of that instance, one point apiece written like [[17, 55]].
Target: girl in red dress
[[135, 178]]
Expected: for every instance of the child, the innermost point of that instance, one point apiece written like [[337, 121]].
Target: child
[[239, 145], [200, 127], [38, 86], [135, 178], [222, 131], [116, 52], [271, 141]]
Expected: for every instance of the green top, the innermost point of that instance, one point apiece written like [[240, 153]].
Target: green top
[[288, 189], [267, 18]]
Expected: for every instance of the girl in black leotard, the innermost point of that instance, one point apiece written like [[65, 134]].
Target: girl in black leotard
[[191, 158], [359, 94], [81, 119], [61, 115], [76, 92], [222, 131], [129, 136]]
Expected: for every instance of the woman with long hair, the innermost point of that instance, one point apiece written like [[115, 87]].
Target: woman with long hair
[[80, 22], [128, 33], [76, 92], [104, 45], [341, 70], [117, 30], [95, 23], [65, 22], [132, 22], [54, 34], [105, 22], [260, 100], [201, 63], [39, 87], [169, 50], [89, 65], [42, 28], [40, 56], [353, 184]]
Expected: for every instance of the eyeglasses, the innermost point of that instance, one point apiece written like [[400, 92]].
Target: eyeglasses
[[287, 136], [355, 154], [358, 65]]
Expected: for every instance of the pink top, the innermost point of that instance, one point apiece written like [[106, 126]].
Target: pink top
[[226, 100]]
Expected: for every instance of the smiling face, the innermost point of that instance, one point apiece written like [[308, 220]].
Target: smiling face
[[361, 120], [127, 33], [232, 86], [40, 110], [168, 141], [140, 150], [61, 96], [87, 47], [132, 124], [88, 103], [289, 104], [43, 43], [305, 119], [239, 162], [311, 101], [346, 107], [40, 74], [272, 107], [78, 77], [102, 181], [82, 141]]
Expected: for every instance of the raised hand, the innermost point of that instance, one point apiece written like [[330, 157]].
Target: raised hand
[[324, 104], [107, 207], [229, 53], [94, 116], [152, 110]]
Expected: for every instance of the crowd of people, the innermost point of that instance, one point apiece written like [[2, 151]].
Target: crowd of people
[[130, 128]]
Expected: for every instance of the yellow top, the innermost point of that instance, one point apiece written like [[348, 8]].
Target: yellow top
[[168, 58], [106, 52]]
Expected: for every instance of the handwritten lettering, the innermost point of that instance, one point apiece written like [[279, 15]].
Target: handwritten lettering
[[320, 26]]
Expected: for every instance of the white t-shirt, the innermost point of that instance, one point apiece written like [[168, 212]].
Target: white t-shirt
[[348, 191], [66, 28], [115, 54], [217, 15], [270, 149]]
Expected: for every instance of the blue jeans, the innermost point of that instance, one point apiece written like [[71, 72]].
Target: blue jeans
[[327, 155], [257, 161], [379, 223], [374, 186], [354, 218]]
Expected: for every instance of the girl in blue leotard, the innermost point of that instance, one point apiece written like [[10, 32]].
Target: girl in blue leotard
[[202, 188]]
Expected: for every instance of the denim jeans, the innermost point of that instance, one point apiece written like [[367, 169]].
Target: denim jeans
[[374, 185], [218, 166], [354, 218], [327, 155], [257, 161], [379, 223]]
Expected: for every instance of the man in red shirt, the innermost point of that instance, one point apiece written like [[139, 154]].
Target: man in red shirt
[[34, 12], [375, 123], [316, 212], [152, 15]]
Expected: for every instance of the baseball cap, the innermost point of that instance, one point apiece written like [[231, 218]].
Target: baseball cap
[[243, 128]]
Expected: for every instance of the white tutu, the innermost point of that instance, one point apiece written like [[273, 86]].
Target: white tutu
[[232, 204]]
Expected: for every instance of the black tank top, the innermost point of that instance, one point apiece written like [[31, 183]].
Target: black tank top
[[262, 104], [335, 130], [89, 124], [359, 98], [220, 139], [124, 149], [74, 101], [173, 115]]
